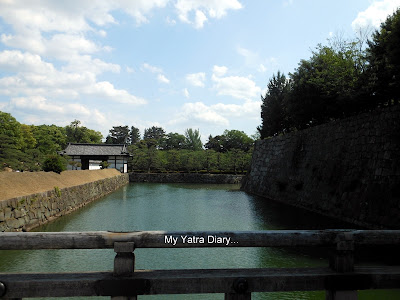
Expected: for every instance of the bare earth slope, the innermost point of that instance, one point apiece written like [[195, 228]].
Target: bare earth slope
[[15, 184]]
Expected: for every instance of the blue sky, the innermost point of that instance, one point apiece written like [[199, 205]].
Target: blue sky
[[177, 64]]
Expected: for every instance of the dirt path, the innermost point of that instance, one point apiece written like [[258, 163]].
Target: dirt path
[[15, 184]]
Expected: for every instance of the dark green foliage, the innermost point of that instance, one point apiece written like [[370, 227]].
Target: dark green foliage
[[154, 135], [80, 134], [273, 110], [323, 87], [173, 141], [134, 135], [384, 58], [216, 143], [118, 135], [337, 81], [193, 139], [147, 158], [104, 165], [235, 139], [231, 139], [11, 128], [54, 163], [50, 138]]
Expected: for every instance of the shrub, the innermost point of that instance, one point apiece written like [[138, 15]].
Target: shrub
[[104, 165], [54, 163]]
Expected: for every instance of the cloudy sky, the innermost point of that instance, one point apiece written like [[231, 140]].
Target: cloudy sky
[[177, 64]]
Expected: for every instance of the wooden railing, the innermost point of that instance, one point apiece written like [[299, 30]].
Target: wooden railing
[[341, 279]]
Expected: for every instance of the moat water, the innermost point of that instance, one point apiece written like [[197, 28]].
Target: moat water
[[184, 207]]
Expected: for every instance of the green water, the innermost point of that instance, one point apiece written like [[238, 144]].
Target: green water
[[181, 207]]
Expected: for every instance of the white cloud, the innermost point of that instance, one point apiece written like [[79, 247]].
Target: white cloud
[[219, 114], [219, 70], [196, 79], [170, 21], [151, 68], [16, 61], [204, 9], [262, 68], [162, 78], [85, 63], [198, 112], [247, 54], [41, 104], [236, 86], [37, 77], [105, 89], [200, 19], [253, 60], [102, 33], [129, 69], [375, 14], [186, 93]]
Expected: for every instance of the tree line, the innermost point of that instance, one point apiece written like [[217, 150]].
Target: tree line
[[340, 79], [159, 151], [34, 148], [26, 147]]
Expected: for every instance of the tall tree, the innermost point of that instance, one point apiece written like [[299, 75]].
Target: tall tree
[[154, 133], [49, 138], [236, 139], [80, 134], [193, 139], [273, 110], [10, 127], [174, 141], [134, 135], [324, 87], [118, 135], [216, 143], [384, 59]]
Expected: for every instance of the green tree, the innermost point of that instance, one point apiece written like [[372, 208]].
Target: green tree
[[384, 61], [134, 135], [54, 163], [80, 134], [273, 110], [191, 160], [173, 160], [11, 128], [28, 140], [209, 160], [156, 134], [324, 87], [49, 138], [216, 143], [118, 135], [174, 141], [193, 139], [10, 155], [235, 139]]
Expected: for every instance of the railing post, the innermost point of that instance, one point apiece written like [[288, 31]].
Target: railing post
[[240, 285], [124, 264], [343, 261]]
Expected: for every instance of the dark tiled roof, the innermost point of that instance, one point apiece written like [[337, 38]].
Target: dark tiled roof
[[95, 149]]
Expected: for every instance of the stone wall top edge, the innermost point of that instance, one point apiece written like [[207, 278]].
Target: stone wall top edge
[[334, 123], [44, 193]]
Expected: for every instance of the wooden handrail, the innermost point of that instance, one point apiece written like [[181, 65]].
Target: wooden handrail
[[194, 239], [341, 280]]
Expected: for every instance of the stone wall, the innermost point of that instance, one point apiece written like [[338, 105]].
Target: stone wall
[[26, 212], [348, 169], [185, 178]]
